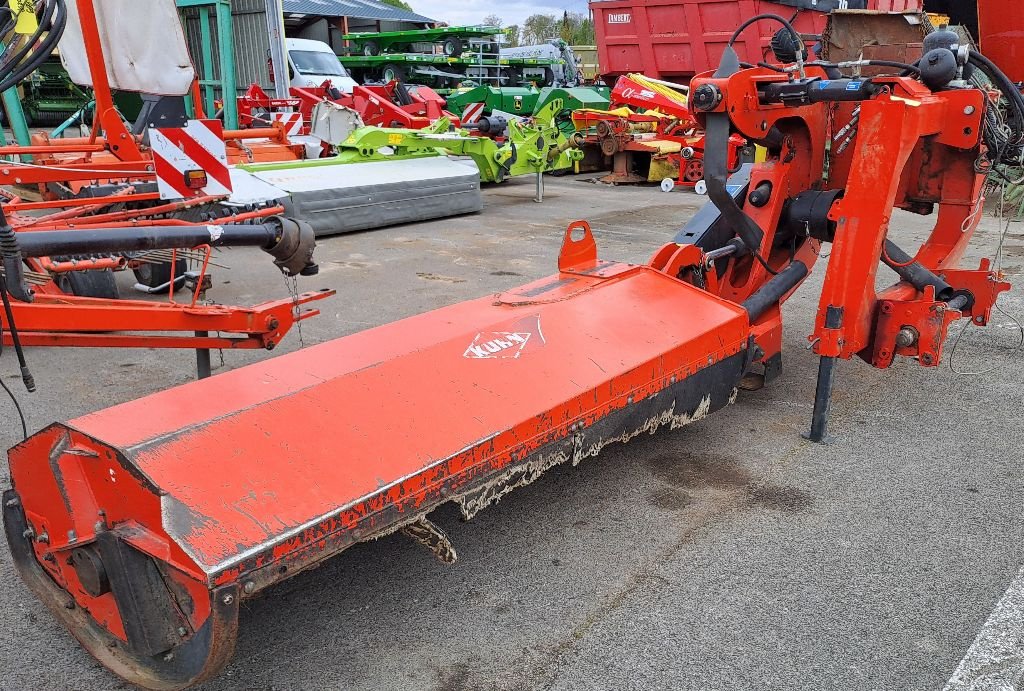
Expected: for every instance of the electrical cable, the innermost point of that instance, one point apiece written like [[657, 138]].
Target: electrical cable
[[17, 406]]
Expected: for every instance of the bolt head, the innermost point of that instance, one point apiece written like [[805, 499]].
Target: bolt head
[[969, 110], [228, 599], [249, 587]]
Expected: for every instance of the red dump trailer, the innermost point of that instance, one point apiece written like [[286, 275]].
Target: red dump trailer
[[1001, 32], [676, 39]]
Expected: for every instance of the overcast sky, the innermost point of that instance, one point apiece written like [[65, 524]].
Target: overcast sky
[[510, 11]]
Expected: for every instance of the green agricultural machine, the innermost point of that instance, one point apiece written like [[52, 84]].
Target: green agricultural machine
[[49, 97]]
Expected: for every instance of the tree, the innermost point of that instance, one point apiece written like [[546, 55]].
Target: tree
[[512, 36], [539, 28], [492, 20], [576, 29], [400, 4]]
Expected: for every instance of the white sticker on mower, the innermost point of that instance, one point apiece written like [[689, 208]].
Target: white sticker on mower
[[215, 232], [506, 345]]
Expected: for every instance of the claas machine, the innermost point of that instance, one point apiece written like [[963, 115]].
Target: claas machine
[[145, 526]]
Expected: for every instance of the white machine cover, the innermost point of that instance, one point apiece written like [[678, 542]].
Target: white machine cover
[[143, 43]]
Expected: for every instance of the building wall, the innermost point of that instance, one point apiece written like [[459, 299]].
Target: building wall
[[252, 44], [249, 24]]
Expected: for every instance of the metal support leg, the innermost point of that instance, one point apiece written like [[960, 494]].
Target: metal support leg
[[16, 116], [203, 369], [539, 197], [822, 400]]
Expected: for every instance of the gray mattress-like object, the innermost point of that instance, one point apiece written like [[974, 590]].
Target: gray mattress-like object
[[362, 196]]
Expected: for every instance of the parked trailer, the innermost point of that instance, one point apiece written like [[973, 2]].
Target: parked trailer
[[453, 39], [423, 68], [677, 39], [1000, 28]]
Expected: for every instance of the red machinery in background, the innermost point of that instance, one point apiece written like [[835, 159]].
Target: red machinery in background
[[147, 561], [40, 315], [650, 134], [679, 39], [383, 105]]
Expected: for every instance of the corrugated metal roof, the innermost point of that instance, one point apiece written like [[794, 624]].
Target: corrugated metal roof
[[365, 9]]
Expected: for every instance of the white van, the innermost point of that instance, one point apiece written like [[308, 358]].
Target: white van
[[311, 63]]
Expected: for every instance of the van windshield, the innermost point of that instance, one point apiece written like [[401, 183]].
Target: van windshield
[[315, 62]]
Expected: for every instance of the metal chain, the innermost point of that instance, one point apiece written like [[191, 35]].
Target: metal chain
[[292, 283]]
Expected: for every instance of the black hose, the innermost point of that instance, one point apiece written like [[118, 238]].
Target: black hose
[[1005, 85], [767, 15], [14, 269], [914, 272], [907, 68], [775, 289], [26, 60]]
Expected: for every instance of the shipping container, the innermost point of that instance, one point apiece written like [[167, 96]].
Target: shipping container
[[676, 39]]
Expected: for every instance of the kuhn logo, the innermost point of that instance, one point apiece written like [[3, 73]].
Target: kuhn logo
[[620, 18], [510, 344]]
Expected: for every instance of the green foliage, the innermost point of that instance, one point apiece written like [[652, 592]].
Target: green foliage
[[575, 28], [512, 35], [400, 4]]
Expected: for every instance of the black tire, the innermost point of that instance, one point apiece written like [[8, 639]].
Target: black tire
[[392, 72], [549, 77], [508, 76], [404, 98], [89, 284], [453, 47], [153, 275], [370, 48]]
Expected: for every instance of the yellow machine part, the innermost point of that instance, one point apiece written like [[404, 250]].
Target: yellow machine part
[[25, 11], [666, 91]]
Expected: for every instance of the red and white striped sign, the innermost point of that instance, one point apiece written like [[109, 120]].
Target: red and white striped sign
[[472, 112], [177, 151], [293, 122]]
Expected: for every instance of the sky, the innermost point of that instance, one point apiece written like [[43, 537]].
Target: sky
[[461, 12]]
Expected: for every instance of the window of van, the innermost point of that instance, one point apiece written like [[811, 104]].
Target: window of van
[[315, 62]]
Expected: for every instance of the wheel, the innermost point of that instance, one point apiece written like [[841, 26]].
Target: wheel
[[701, 188], [393, 73], [453, 47], [89, 284], [549, 77], [508, 76], [667, 185], [371, 48], [158, 274], [694, 170]]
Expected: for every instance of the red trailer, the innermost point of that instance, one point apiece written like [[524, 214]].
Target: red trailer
[[1001, 33], [676, 39]]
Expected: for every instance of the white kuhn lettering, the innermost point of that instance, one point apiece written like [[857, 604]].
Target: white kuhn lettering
[[497, 344]]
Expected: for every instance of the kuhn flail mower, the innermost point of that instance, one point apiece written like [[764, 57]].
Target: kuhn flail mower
[[147, 561]]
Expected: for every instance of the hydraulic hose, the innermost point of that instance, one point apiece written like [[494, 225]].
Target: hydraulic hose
[[14, 269], [20, 64]]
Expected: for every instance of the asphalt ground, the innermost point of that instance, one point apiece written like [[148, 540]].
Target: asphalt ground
[[728, 554]]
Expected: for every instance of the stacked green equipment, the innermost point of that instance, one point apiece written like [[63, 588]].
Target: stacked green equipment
[[527, 101], [453, 39], [465, 53]]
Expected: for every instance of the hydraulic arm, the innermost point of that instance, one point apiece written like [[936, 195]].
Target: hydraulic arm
[[146, 561]]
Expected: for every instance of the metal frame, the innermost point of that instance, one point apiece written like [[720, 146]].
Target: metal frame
[[225, 38]]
